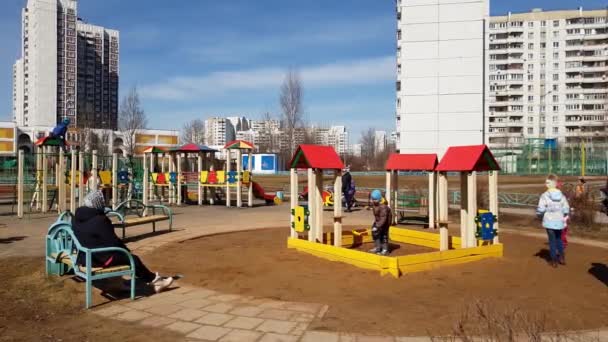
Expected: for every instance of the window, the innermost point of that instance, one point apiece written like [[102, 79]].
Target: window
[[555, 87], [530, 24], [542, 109], [543, 35], [530, 119], [555, 23], [530, 77], [555, 130], [542, 55], [530, 130], [530, 66], [530, 98], [555, 118], [556, 109], [542, 118], [543, 45], [555, 45], [530, 46], [530, 35], [555, 34], [556, 55], [542, 130], [530, 109], [555, 97], [530, 88], [398, 85], [555, 65], [542, 76], [530, 56], [556, 77], [543, 23]]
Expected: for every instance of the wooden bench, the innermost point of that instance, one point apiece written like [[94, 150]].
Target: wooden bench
[[62, 250], [8, 195], [134, 213]]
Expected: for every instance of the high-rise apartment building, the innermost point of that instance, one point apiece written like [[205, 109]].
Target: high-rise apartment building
[[97, 75], [547, 77], [440, 74], [18, 92], [218, 131], [51, 67]]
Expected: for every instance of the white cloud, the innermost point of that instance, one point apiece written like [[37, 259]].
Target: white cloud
[[365, 71]]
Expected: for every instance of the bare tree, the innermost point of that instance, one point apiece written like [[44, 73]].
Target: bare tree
[[368, 147], [131, 119], [193, 132], [291, 106]]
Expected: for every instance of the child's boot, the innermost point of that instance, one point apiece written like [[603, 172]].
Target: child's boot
[[377, 247]]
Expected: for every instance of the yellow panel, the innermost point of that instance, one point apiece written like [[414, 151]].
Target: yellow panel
[[7, 133], [105, 177], [145, 139], [154, 177], [167, 139], [7, 146], [246, 177], [69, 177], [221, 177], [299, 219], [203, 177]]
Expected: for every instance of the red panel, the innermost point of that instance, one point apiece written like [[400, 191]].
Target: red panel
[[468, 158], [316, 157], [411, 162]]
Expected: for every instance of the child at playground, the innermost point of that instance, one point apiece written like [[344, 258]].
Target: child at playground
[[60, 132], [553, 208], [94, 230], [382, 222]]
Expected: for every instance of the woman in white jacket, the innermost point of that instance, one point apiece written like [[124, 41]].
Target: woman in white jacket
[[553, 208]]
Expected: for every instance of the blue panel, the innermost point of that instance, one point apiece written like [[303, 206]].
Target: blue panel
[[246, 162], [268, 163], [232, 177]]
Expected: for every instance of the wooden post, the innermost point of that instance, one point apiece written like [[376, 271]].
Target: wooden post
[[20, 184], [81, 186], [151, 185], [198, 185], [239, 178], [114, 180], [293, 198], [179, 178], [395, 194], [443, 212], [389, 188], [145, 184], [493, 187], [61, 205], [431, 198], [94, 171], [464, 214], [162, 162], [39, 161], [228, 195], [337, 209], [312, 207], [45, 185], [250, 189], [73, 182], [319, 204], [472, 209]]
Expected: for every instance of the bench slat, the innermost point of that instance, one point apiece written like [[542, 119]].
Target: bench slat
[[133, 221]]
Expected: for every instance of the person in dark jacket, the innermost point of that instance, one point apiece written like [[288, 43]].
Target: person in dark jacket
[[60, 132], [382, 222], [348, 188], [95, 230]]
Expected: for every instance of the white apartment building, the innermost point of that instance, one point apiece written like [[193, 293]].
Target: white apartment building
[[440, 74], [547, 77], [218, 131], [380, 141], [335, 136], [355, 150], [51, 66], [18, 92]]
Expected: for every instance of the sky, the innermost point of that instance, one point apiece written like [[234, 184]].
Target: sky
[[193, 59]]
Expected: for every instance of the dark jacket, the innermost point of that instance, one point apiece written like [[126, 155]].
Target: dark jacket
[[94, 230], [382, 217], [346, 179]]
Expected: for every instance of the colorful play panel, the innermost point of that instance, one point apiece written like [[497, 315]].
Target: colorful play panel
[[479, 230]]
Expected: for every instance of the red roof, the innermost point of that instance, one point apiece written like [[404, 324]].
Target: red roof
[[316, 157], [239, 145], [468, 158], [192, 148], [411, 162]]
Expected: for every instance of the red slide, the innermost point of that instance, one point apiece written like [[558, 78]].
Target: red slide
[[259, 193]]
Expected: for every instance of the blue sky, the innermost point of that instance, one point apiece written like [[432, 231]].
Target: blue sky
[[198, 58]]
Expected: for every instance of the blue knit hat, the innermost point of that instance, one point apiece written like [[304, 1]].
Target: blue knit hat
[[95, 200], [376, 195]]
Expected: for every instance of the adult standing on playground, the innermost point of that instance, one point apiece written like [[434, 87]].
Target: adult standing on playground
[[348, 188], [94, 230]]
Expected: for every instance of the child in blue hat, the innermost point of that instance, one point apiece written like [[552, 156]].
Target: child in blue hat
[[382, 222]]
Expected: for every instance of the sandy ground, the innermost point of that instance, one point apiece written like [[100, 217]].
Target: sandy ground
[[258, 263]]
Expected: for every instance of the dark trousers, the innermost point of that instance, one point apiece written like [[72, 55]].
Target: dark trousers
[[141, 271], [555, 243], [381, 239], [348, 198]]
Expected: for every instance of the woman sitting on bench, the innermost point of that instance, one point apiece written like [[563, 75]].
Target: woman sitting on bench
[[94, 230]]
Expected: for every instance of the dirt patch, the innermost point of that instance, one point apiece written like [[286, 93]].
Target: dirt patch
[[35, 308], [258, 263]]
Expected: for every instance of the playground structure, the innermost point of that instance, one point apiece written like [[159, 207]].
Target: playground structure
[[68, 177], [478, 238]]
